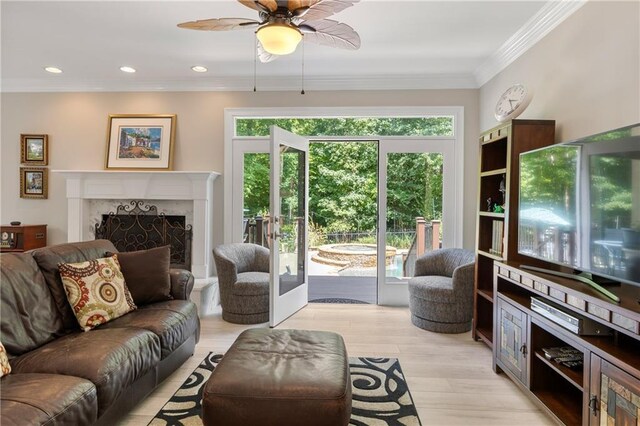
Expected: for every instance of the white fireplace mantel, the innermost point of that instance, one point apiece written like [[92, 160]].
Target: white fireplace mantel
[[197, 187]]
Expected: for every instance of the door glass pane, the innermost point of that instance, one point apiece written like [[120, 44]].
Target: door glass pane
[[292, 221], [256, 199], [414, 211]]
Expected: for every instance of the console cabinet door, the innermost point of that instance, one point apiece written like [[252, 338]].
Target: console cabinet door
[[511, 349], [615, 395]]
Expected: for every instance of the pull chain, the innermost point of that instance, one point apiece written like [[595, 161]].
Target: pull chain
[[302, 92], [255, 60]]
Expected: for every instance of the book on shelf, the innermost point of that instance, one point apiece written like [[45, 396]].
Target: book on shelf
[[497, 234]]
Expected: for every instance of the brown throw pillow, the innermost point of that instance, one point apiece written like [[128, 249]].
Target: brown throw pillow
[[147, 274], [96, 291]]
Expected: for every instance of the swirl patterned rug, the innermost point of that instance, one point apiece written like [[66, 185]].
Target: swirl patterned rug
[[380, 395]]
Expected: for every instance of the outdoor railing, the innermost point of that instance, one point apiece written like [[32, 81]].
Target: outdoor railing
[[424, 238], [427, 239]]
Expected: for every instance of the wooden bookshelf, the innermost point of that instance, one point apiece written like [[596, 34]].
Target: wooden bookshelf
[[500, 149]]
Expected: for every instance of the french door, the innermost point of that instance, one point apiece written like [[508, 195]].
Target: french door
[[436, 158], [288, 240], [393, 153]]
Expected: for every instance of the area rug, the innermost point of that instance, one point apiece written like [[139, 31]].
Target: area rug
[[380, 395]]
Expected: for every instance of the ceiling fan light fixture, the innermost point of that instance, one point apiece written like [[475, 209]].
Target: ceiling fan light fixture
[[279, 39]]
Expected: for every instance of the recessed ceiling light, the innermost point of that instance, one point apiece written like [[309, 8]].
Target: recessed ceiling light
[[199, 68], [53, 70], [127, 69]]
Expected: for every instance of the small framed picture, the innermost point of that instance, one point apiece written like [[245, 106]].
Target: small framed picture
[[34, 150], [140, 142], [33, 182]]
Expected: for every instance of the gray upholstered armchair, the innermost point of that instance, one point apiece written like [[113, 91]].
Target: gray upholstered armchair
[[441, 292], [243, 278]]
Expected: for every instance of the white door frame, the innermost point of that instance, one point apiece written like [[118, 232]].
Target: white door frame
[[235, 147], [397, 293]]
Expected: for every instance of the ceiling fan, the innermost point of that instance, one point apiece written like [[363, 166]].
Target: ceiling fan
[[283, 23]]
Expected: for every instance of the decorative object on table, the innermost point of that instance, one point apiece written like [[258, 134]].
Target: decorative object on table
[[7, 240], [33, 182], [380, 394], [22, 237], [513, 102], [140, 141], [503, 189], [34, 150]]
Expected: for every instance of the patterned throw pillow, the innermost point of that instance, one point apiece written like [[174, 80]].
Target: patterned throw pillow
[[96, 291], [5, 367]]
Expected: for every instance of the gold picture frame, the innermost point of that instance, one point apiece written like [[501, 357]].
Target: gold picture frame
[[140, 141], [34, 149], [34, 182]]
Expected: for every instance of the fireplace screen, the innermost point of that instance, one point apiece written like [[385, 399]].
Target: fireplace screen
[[136, 226]]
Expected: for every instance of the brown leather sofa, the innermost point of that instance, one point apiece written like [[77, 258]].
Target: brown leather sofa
[[63, 376]]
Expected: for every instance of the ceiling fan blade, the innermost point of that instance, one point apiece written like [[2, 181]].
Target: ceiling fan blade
[[270, 5], [324, 8], [299, 4], [265, 56], [221, 24], [333, 34]]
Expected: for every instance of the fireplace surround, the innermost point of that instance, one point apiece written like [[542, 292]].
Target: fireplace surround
[[190, 191]]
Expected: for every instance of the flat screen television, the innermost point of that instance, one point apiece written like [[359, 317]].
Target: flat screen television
[[579, 205]]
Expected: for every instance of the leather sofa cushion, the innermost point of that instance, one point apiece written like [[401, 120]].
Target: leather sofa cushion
[[111, 359], [52, 399], [251, 284], [147, 274], [173, 321], [48, 259], [30, 317]]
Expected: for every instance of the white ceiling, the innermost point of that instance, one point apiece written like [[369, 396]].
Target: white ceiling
[[405, 44]]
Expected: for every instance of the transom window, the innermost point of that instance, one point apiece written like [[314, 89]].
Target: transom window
[[441, 126]]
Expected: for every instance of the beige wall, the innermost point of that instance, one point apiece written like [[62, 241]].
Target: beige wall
[[77, 123], [585, 73]]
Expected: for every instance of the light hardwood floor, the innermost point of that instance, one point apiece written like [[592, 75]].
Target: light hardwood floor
[[449, 376]]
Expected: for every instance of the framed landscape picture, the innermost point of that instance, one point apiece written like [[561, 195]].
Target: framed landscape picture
[[140, 142], [34, 150], [33, 182]]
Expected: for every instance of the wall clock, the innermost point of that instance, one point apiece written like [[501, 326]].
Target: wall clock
[[512, 102]]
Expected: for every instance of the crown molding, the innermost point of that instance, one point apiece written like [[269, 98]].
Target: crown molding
[[245, 84], [552, 14]]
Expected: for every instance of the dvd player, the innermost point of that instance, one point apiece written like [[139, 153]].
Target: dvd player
[[573, 322]]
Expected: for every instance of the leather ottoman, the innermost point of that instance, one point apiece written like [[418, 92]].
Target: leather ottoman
[[279, 378]]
